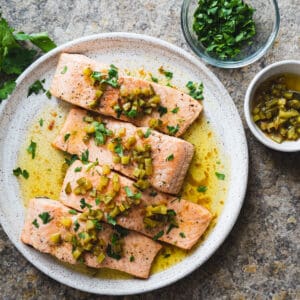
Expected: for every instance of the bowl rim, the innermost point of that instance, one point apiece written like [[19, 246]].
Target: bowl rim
[[229, 64], [257, 80]]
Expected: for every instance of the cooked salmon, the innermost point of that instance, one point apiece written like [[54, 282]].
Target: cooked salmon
[[191, 219], [171, 156], [138, 251], [69, 84]]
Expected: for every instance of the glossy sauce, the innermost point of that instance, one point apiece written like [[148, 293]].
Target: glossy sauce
[[46, 176]]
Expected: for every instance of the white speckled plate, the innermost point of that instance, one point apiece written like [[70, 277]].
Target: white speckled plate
[[132, 51]]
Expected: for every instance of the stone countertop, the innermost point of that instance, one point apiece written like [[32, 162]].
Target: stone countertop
[[259, 258]]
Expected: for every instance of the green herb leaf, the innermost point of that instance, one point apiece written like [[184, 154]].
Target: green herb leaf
[[154, 79], [175, 110], [72, 212], [220, 176], [147, 133], [195, 90], [131, 259], [84, 204], [119, 149], [36, 87], [73, 158], [35, 223], [182, 234], [32, 149], [41, 40], [45, 217], [6, 89], [131, 195], [111, 220], [202, 189], [18, 171], [76, 225], [153, 193], [173, 129], [111, 253], [41, 122], [48, 94], [162, 110], [158, 235], [85, 157], [170, 157], [66, 137], [64, 70], [77, 169]]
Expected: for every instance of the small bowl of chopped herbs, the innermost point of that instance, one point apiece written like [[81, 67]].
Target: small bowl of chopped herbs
[[272, 106], [230, 33]]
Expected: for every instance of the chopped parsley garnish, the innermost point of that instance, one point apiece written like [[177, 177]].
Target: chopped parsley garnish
[[18, 171], [166, 255], [6, 89], [195, 90], [97, 224], [119, 149], [173, 129], [48, 94], [224, 27], [111, 220], [36, 87], [72, 212], [171, 226], [76, 225], [64, 70], [81, 235], [168, 74], [41, 122], [158, 235], [220, 176], [147, 133], [97, 201], [111, 78], [170, 157], [15, 56], [77, 169], [32, 149], [154, 79], [131, 195], [162, 110], [101, 133], [202, 189], [131, 259], [73, 158], [175, 110], [84, 204], [66, 137], [45, 217], [35, 223], [85, 157], [111, 253], [182, 234]]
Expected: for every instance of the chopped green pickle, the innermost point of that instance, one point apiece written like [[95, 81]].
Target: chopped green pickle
[[276, 109]]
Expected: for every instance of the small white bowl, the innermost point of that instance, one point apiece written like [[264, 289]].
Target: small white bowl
[[281, 67]]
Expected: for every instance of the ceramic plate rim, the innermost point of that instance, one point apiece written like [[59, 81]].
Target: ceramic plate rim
[[242, 189]]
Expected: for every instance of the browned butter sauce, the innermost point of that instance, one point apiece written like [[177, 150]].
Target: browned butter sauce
[[46, 176]]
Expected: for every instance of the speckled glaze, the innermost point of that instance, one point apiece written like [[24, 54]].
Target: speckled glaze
[[126, 51]]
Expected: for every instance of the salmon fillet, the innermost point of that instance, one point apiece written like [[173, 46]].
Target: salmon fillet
[[73, 87], [142, 249], [192, 219], [167, 176]]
